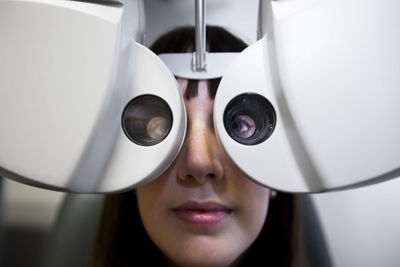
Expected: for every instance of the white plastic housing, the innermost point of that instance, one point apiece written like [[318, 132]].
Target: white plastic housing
[[331, 69], [67, 69], [130, 164]]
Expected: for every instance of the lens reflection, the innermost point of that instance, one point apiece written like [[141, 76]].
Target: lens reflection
[[157, 127], [147, 120]]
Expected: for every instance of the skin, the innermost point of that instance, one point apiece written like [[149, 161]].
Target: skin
[[202, 172]]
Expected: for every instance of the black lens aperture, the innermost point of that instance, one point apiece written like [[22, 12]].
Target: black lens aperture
[[147, 120], [249, 119]]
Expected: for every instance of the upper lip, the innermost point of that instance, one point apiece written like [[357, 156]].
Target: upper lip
[[202, 206]]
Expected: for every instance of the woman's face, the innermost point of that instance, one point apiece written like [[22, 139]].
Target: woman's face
[[202, 211]]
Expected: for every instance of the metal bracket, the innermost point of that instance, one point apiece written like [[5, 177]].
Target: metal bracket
[[199, 56]]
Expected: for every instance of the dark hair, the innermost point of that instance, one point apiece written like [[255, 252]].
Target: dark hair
[[122, 239]]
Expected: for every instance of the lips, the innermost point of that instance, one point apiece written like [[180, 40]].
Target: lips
[[205, 213]]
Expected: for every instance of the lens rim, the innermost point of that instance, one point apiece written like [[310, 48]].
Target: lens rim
[[252, 105], [169, 116]]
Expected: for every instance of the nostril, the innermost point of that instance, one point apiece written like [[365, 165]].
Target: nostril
[[189, 177], [211, 176], [199, 179]]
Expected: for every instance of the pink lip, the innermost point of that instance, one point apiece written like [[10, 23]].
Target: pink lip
[[205, 213]]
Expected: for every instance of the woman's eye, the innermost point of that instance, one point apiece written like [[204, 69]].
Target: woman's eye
[[243, 126]]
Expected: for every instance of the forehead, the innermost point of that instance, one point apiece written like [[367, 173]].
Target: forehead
[[182, 84], [202, 87]]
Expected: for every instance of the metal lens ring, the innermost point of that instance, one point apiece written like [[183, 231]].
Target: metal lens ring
[[147, 120], [249, 119]]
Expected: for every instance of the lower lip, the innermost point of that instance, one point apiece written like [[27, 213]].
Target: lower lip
[[202, 217]]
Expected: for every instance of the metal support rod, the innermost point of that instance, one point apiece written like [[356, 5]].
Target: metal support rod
[[200, 55]]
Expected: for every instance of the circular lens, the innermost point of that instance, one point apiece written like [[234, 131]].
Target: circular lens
[[249, 119], [147, 120]]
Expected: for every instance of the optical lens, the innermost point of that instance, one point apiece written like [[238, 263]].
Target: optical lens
[[249, 119], [147, 120]]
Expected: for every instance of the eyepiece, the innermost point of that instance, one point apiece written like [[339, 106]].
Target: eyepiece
[[147, 120], [249, 119]]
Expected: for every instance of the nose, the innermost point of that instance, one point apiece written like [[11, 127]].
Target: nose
[[200, 157]]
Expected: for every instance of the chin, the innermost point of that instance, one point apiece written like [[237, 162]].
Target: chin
[[206, 250], [205, 263], [217, 259]]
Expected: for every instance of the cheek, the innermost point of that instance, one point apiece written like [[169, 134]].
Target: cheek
[[147, 195], [150, 198], [154, 203], [255, 197], [253, 202], [151, 205], [155, 193]]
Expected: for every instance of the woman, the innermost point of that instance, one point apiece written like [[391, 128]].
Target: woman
[[202, 211]]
